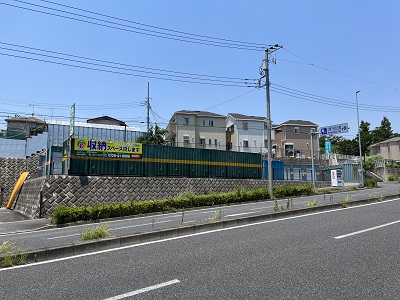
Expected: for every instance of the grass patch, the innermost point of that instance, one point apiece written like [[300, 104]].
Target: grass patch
[[97, 232], [10, 255], [311, 203]]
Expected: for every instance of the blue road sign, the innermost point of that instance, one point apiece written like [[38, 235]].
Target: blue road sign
[[328, 147], [334, 129]]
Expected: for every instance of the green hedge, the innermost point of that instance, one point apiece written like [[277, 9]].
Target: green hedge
[[68, 214]]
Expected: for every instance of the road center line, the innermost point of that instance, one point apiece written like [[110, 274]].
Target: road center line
[[63, 236], [144, 290], [139, 225], [365, 230], [192, 235]]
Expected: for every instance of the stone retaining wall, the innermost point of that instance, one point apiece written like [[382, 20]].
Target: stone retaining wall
[[11, 169], [39, 196], [393, 171]]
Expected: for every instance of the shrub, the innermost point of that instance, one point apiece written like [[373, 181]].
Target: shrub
[[391, 177], [371, 182], [64, 214]]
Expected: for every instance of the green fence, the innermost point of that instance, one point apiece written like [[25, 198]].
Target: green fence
[[164, 161]]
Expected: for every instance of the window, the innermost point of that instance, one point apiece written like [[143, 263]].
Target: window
[[245, 126], [215, 142], [204, 123], [296, 130], [289, 150], [185, 120], [202, 141], [245, 144], [210, 123], [209, 142], [186, 139]]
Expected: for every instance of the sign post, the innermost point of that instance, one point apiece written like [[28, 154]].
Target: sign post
[[334, 129]]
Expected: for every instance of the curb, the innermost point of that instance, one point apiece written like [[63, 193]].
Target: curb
[[86, 247]]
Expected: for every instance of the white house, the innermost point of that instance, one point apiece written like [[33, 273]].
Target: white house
[[247, 133]]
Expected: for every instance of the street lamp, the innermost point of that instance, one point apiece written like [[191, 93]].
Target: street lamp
[[361, 173]]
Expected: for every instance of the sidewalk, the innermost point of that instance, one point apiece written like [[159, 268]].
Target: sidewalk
[[13, 222]]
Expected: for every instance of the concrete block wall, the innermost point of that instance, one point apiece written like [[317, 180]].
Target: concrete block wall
[[39, 196]]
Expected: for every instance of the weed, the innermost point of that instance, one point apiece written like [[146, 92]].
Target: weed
[[276, 207], [217, 215], [289, 203], [183, 215], [152, 223], [10, 255], [352, 188], [97, 232], [345, 201], [331, 198], [312, 203], [380, 199]]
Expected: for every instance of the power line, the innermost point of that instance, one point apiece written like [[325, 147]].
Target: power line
[[134, 29], [156, 27], [126, 65], [329, 101], [204, 82], [339, 73]]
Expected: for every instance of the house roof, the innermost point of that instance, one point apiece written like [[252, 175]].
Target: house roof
[[25, 119], [105, 118], [199, 113], [394, 139], [299, 122], [244, 117], [93, 125]]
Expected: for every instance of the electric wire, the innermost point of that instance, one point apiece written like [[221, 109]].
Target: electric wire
[[129, 28], [120, 68], [156, 27], [127, 65], [124, 73], [339, 73]]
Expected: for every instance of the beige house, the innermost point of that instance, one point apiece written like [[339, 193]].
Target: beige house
[[293, 139], [389, 149], [197, 129]]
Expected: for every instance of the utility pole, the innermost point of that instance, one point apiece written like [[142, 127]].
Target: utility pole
[[360, 172], [265, 74], [312, 133], [148, 106]]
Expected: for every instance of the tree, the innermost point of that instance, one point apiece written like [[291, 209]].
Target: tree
[[154, 136], [366, 137], [383, 132]]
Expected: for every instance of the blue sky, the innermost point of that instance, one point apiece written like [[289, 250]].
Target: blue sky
[[330, 50]]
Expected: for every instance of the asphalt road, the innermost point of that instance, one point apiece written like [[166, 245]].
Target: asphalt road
[[348, 253], [56, 237]]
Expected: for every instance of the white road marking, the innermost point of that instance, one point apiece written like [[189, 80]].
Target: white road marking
[[190, 235], [63, 236], [365, 230], [146, 224], [144, 290], [111, 229], [241, 214]]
